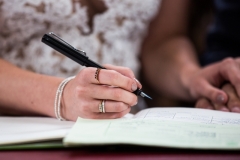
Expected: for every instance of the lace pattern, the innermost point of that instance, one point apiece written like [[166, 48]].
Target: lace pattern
[[114, 38]]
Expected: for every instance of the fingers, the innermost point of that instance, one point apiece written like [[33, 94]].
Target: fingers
[[232, 105], [230, 69], [220, 107], [111, 115], [113, 93], [214, 94], [108, 77], [234, 101], [213, 76], [124, 71], [204, 103], [110, 106], [107, 115], [88, 89]]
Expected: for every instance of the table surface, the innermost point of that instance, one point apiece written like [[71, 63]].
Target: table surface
[[119, 152]]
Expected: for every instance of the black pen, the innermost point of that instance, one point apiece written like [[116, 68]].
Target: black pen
[[78, 56]]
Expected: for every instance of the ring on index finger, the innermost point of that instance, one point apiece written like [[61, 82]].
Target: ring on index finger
[[97, 74]]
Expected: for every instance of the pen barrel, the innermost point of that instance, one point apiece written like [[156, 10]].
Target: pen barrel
[[66, 50], [69, 51], [137, 92]]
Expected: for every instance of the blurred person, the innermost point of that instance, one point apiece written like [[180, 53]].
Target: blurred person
[[172, 66]]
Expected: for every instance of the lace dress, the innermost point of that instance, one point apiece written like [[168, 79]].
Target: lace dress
[[114, 38]]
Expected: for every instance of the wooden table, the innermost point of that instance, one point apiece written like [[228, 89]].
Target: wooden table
[[119, 152]]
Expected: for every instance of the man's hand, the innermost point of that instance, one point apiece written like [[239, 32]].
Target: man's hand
[[232, 105], [207, 81]]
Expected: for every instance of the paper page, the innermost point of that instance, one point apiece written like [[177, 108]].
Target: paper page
[[15, 130], [190, 115], [128, 116], [169, 127]]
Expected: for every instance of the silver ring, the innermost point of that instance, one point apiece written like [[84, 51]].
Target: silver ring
[[101, 107]]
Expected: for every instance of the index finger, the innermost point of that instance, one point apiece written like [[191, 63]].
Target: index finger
[[108, 77], [124, 71]]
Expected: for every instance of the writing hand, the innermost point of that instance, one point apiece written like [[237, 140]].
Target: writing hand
[[84, 93]]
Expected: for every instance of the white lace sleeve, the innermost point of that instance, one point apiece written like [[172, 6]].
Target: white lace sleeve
[[115, 37]]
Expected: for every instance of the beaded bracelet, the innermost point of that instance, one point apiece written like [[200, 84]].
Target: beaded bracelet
[[58, 97]]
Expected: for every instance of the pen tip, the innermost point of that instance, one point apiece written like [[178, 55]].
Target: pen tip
[[145, 95]]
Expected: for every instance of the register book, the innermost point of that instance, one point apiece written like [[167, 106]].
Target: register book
[[163, 127]]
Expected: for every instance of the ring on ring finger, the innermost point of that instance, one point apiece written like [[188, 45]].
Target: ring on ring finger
[[101, 106]]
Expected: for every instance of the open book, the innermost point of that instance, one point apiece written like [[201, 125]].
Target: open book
[[166, 127], [17, 130]]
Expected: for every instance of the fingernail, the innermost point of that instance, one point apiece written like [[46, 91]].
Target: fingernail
[[236, 109], [220, 99], [136, 80], [134, 87]]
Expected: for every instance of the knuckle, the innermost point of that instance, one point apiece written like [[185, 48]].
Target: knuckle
[[114, 76], [84, 73], [79, 91], [117, 94]]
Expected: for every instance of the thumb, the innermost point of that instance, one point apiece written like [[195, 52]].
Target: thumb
[[215, 95]]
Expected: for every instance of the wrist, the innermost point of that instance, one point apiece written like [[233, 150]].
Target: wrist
[[59, 103]]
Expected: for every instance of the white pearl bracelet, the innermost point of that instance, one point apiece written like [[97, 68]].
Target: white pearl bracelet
[[58, 97]]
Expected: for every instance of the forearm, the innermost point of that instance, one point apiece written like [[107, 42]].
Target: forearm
[[167, 55], [26, 93], [169, 66]]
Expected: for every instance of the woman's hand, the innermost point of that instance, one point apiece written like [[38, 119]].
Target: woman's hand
[[232, 105], [84, 93]]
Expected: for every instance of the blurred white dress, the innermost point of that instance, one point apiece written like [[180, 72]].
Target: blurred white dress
[[114, 37]]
